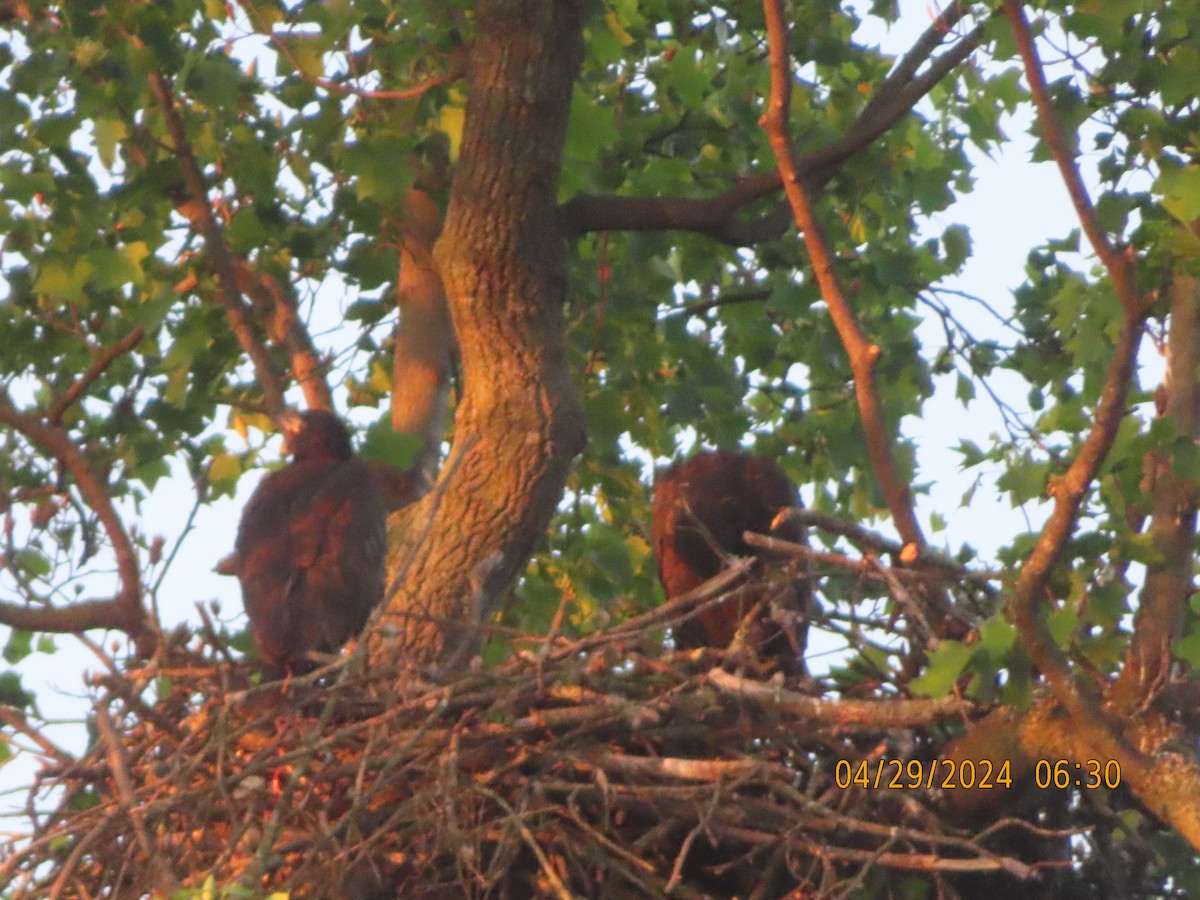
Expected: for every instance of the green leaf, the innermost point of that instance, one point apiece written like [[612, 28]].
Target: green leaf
[[32, 562], [308, 54], [1062, 622], [956, 241], [246, 232], [1025, 480], [964, 390], [1180, 190], [62, 281], [1187, 649], [996, 637], [224, 472], [151, 471], [946, 664], [688, 78], [11, 692], [19, 646], [399, 448], [109, 132]]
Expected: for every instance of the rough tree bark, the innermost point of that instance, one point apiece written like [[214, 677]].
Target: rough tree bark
[[502, 259]]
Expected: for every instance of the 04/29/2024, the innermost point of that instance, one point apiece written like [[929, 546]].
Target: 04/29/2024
[[916, 774]]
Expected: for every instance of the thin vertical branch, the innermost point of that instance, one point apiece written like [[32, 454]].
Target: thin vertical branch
[[1118, 261], [863, 354]]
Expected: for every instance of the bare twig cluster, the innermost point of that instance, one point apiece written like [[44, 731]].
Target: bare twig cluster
[[601, 767]]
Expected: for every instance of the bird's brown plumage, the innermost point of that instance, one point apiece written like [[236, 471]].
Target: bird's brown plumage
[[311, 545], [701, 508]]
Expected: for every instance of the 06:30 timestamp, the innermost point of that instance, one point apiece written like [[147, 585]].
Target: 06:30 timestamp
[[1089, 774]]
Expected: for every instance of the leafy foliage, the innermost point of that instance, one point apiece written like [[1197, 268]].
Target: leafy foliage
[[298, 118]]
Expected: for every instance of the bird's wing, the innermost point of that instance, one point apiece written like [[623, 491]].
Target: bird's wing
[[341, 546], [269, 564]]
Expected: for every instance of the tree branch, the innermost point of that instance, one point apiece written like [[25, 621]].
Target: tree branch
[[1169, 783], [716, 217], [125, 610], [862, 353], [458, 68], [16, 720], [1168, 582], [875, 714], [423, 358], [1024, 606], [865, 539], [103, 358], [224, 262], [281, 317], [82, 616], [1118, 261]]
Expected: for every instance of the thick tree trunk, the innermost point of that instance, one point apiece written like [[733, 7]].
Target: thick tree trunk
[[502, 260]]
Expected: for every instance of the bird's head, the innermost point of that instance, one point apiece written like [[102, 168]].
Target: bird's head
[[315, 434]]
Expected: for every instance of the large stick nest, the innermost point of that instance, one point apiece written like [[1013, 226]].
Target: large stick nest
[[603, 767]]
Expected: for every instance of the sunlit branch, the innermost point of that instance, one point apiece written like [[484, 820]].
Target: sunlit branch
[[424, 351], [1069, 490], [1172, 501], [1102, 732], [15, 719], [279, 313], [862, 353], [119, 767], [880, 714], [81, 616], [865, 539]]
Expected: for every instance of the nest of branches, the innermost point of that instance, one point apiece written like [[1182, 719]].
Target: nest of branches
[[600, 767]]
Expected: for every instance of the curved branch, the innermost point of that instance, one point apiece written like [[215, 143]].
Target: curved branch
[[82, 616], [716, 217], [423, 358], [125, 610], [1102, 732], [503, 264], [899, 93], [15, 719], [458, 68]]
